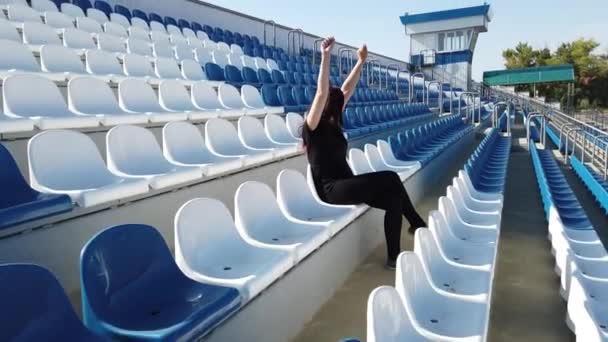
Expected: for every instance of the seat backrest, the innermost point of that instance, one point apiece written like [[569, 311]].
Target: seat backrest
[[358, 162], [122, 10], [285, 95], [269, 95], [78, 39], [110, 43], [237, 50], [15, 188], [188, 32], [139, 47], [9, 32], [412, 283], [112, 272], [235, 60], [173, 96], [195, 43], [140, 23], [134, 150], [43, 6], [272, 65], [276, 129], [214, 72], [156, 18], [38, 34], [204, 96], [16, 56], [66, 160], [156, 26], [136, 95], [202, 56], [49, 101], [91, 95], [251, 97], [220, 58], [23, 13], [136, 65], [249, 62], [252, 133], [232, 74], [167, 68], [182, 140], [89, 25], [192, 71], [387, 319], [139, 33], [260, 63], [42, 310], [56, 58], [277, 77], [103, 7], [58, 20], [221, 136], [115, 29], [256, 208], [97, 15], [163, 50], [177, 37], [229, 96], [100, 62], [250, 76], [72, 10], [159, 37], [183, 51]]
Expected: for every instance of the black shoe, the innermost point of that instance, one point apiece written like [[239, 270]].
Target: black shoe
[[391, 264]]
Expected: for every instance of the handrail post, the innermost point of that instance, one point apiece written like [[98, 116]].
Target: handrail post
[[315, 43], [413, 77], [528, 121], [274, 26], [572, 130]]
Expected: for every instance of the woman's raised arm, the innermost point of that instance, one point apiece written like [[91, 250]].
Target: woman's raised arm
[[349, 86], [316, 109]]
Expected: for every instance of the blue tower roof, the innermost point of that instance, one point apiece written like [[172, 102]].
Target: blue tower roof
[[445, 15]]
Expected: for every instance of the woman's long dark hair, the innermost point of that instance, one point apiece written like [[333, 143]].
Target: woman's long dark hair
[[331, 113]]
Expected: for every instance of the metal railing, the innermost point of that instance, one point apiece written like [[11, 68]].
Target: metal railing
[[412, 85], [274, 32], [349, 55]]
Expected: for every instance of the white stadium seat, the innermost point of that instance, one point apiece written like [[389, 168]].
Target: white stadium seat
[[235, 60], [44, 6], [253, 100], [159, 37], [196, 43], [92, 96], [184, 145], [139, 66], [261, 223], [482, 196], [104, 64], [222, 139], [389, 158], [223, 47], [203, 56], [97, 15], [176, 39], [88, 25], [49, 111], [155, 26], [16, 58], [20, 13], [4, 3], [433, 311], [174, 30], [211, 45], [205, 98], [139, 47], [77, 39], [472, 218], [9, 32], [387, 319], [58, 20], [167, 68], [120, 20], [140, 24], [68, 162], [133, 152], [14, 125], [36, 34], [220, 58], [192, 71], [358, 162], [456, 233], [252, 134], [249, 62], [188, 33], [202, 36], [237, 50], [377, 164], [137, 96], [183, 51], [174, 97], [72, 10], [110, 43], [115, 29], [272, 65], [139, 33], [298, 203], [209, 249], [276, 130], [294, 122], [231, 99], [163, 50], [61, 60], [260, 63]]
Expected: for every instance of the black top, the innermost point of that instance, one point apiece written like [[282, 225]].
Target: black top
[[326, 149]]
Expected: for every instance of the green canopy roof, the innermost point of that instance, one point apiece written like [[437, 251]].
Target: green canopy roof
[[545, 74]]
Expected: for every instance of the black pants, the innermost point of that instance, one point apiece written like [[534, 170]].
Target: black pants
[[382, 190]]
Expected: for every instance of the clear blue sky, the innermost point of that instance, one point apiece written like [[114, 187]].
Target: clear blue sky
[[540, 22]]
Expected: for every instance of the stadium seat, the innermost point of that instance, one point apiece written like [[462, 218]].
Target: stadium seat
[[138, 306], [167, 68], [433, 311], [295, 124], [139, 47], [44, 6], [205, 230], [49, 111], [133, 152], [79, 40], [58, 20], [137, 96], [261, 223], [120, 20], [192, 71], [139, 66], [103, 6], [88, 25], [163, 50], [115, 29], [68, 162], [377, 164], [19, 202], [384, 149], [214, 72], [202, 56], [90, 96], [159, 37], [22, 13], [260, 63], [253, 100], [265, 77], [276, 130], [387, 318], [298, 203], [205, 98], [17, 59], [110, 43], [97, 15], [59, 60], [174, 97], [184, 145], [230, 98], [223, 139], [358, 162], [473, 216], [183, 51], [36, 34], [104, 64], [220, 58], [285, 96], [72, 10], [9, 32], [233, 76], [252, 135], [41, 309], [139, 33]]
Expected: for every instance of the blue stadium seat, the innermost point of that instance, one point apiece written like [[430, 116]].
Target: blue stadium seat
[[170, 21], [183, 23], [299, 79], [255, 40], [270, 97], [104, 7], [138, 14], [37, 307], [19, 203], [310, 91], [83, 4], [310, 79], [208, 30], [277, 77], [140, 293], [238, 39], [59, 2], [155, 17], [197, 27], [125, 12], [265, 77], [289, 103], [214, 72], [251, 77], [248, 50], [300, 96], [258, 52], [290, 78], [233, 76]]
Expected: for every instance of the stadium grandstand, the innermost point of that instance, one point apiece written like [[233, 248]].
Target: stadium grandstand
[[155, 187]]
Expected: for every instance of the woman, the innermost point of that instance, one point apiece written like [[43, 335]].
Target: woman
[[326, 149]]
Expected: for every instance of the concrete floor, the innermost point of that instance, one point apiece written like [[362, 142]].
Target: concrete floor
[[526, 304]]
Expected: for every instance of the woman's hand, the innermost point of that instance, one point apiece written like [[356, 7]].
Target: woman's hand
[[327, 45], [362, 53]]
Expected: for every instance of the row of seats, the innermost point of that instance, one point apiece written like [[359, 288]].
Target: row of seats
[[220, 264], [66, 166], [443, 288], [91, 102], [425, 142], [581, 260], [595, 183], [361, 120]]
